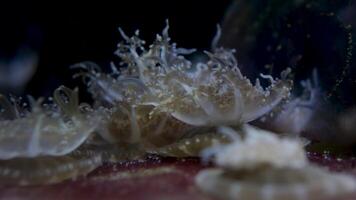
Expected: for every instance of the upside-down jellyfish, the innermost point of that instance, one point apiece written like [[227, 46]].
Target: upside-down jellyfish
[[263, 166], [158, 97], [43, 131]]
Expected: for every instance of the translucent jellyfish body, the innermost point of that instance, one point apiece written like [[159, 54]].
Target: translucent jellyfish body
[[137, 126], [295, 115], [39, 144], [126, 119], [51, 131]]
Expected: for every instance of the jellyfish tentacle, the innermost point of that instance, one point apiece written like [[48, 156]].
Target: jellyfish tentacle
[[8, 111], [67, 100]]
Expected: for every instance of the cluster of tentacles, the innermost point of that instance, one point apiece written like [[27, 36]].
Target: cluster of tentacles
[[157, 102], [158, 98]]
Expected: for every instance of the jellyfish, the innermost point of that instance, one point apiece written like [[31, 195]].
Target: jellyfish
[[158, 98], [40, 131], [294, 116], [261, 165], [41, 143]]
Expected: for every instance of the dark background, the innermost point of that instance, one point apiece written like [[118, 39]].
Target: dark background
[[63, 35], [67, 33]]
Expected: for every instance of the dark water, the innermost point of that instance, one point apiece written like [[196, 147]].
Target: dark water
[[64, 34]]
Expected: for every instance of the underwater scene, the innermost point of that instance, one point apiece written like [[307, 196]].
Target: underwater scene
[[207, 100]]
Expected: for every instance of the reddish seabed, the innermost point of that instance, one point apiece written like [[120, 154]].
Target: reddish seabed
[[152, 178]]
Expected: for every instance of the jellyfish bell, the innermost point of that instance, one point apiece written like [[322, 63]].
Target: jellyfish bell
[[43, 131]]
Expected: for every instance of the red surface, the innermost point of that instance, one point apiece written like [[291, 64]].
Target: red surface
[[153, 178]]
